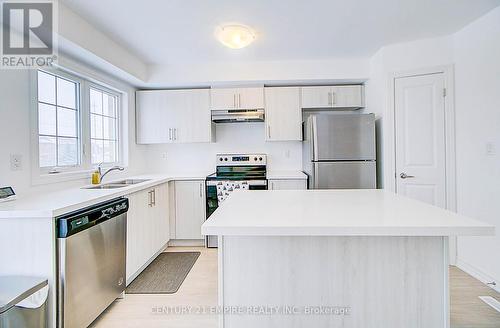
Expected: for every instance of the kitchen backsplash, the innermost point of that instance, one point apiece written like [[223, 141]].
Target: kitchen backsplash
[[230, 138]]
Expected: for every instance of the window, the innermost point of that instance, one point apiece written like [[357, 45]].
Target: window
[[75, 115], [58, 122], [103, 126]]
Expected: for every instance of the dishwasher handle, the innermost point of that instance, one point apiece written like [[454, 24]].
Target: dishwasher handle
[[86, 218]]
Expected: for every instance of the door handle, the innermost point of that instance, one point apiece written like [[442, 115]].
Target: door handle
[[406, 176]]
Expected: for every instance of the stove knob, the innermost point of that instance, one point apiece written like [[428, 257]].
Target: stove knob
[[260, 158], [225, 159], [221, 159], [255, 158]]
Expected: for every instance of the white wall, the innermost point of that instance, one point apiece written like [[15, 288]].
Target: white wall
[[15, 109], [231, 138], [475, 52], [477, 74], [220, 73]]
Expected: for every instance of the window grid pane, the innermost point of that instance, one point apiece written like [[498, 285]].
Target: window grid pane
[[58, 130], [104, 123]]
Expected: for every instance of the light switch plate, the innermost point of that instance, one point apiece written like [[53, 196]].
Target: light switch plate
[[16, 162]]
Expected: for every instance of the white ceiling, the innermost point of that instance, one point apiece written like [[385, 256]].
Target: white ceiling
[[165, 32]]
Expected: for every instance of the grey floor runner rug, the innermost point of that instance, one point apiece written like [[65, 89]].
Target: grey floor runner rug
[[165, 274]]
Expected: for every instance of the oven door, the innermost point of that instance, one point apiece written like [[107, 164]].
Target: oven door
[[212, 201]]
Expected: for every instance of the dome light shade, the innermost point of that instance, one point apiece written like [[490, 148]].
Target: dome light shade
[[235, 36]]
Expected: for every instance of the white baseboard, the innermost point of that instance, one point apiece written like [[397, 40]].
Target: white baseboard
[[478, 274], [186, 242]]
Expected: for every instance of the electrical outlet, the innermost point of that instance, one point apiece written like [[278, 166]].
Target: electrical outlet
[[490, 149], [16, 162]]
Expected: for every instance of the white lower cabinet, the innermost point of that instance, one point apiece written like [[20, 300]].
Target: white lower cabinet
[[288, 184], [189, 209], [147, 227]]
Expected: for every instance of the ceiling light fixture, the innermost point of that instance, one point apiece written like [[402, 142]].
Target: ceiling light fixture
[[235, 36]]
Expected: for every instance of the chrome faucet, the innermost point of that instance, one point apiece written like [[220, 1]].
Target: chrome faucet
[[114, 168]]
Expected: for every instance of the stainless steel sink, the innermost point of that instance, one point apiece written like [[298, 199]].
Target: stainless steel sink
[[118, 184], [129, 181], [107, 186]]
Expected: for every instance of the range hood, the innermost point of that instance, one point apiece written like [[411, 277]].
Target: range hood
[[238, 115]]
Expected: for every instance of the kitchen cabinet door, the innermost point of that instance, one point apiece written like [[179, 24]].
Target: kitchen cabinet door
[[152, 117], [174, 116], [223, 98], [288, 184], [161, 225], [189, 209], [347, 96], [250, 98], [316, 97], [237, 98], [283, 114], [138, 231], [196, 122]]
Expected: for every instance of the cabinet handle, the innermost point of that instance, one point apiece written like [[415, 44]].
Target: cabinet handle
[[269, 131], [201, 190], [333, 98], [150, 199], [170, 134], [234, 100], [175, 134], [329, 98], [154, 196], [239, 100]]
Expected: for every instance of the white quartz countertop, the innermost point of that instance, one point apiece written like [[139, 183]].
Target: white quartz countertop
[[335, 213], [286, 175], [56, 203]]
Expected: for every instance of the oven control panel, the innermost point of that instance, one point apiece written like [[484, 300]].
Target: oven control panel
[[241, 160]]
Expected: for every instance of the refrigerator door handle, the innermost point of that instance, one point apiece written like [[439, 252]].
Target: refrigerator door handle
[[314, 139], [315, 176]]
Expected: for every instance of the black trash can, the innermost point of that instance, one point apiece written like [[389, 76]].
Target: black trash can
[[23, 302]]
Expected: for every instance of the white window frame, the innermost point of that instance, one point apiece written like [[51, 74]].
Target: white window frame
[[100, 87], [85, 168]]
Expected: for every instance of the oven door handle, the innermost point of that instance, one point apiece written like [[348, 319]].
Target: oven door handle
[[250, 182]]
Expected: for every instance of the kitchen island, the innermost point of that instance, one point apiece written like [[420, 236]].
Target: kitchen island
[[334, 258]]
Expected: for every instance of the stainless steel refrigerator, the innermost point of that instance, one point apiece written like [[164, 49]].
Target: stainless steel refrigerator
[[339, 151]]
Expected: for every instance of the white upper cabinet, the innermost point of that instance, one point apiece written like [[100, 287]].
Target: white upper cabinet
[[237, 98], [150, 113], [341, 96], [173, 116], [283, 114]]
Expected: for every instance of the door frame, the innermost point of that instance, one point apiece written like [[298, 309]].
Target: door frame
[[450, 138]]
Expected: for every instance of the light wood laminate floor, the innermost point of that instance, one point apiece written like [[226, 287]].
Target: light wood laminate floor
[[200, 289]]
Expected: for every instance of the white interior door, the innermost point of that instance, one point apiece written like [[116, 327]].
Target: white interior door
[[420, 138]]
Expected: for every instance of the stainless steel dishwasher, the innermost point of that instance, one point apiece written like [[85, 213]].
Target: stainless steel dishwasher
[[91, 246]]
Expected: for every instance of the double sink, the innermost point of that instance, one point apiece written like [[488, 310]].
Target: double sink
[[118, 184]]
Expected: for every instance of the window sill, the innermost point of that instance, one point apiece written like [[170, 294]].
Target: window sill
[[38, 178], [46, 178]]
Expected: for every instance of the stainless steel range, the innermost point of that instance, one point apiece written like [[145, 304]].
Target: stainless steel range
[[234, 172]]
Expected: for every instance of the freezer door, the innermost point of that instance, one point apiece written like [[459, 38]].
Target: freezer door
[[344, 175], [343, 137]]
